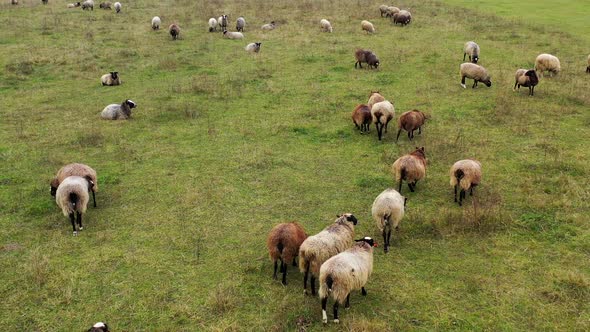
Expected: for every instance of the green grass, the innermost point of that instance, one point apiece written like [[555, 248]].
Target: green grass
[[224, 145]]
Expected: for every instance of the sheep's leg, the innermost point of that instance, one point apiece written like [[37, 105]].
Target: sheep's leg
[[294, 261], [363, 291], [515, 84], [464, 54], [284, 267], [463, 81], [274, 275], [305, 279], [312, 285], [400, 186], [471, 191], [398, 132], [455, 193], [324, 315], [385, 241], [420, 130], [411, 186], [531, 90], [379, 129], [79, 215], [461, 197], [388, 239], [94, 198], [336, 320], [386, 123], [411, 134], [347, 305], [474, 84], [73, 220]]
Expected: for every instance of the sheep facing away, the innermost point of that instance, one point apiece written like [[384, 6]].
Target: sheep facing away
[[367, 26], [383, 10], [240, 24], [117, 6], [547, 62], [111, 79], [156, 22], [326, 26], [269, 26], [402, 17], [118, 112], [526, 78], [212, 24], [361, 117], [374, 98], [366, 56], [76, 169], [72, 198], [475, 72], [410, 121], [349, 270], [467, 175], [253, 47], [283, 244], [316, 249], [410, 168], [174, 31], [99, 327], [88, 4], [232, 35], [471, 49], [381, 113], [105, 5], [388, 210]]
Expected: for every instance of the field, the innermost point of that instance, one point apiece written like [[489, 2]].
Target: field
[[224, 145]]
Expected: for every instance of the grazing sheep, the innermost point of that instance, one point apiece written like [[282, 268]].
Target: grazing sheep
[[381, 113], [475, 72], [361, 117], [222, 21], [118, 112], [111, 79], [212, 24], [232, 35], [316, 249], [253, 47], [526, 78], [74, 5], [349, 270], [76, 169], [402, 17], [547, 62], [269, 26], [374, 98], [367, 26], [156, 22], [72, 197], [410, 121], [240, 24], [14, 2], [588, 68], [383, 10], [466, 174], [366, 56], [283, 244], [391, 10], [471, 49], [105, 5], [388, 210], [99, 327], [325, 25], [410, 168], [174, 31], [88, 4], [117, 7]]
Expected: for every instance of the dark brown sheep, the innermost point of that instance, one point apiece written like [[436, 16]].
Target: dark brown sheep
[[366, 56], [283, 244], [410, 121], [361, 116]]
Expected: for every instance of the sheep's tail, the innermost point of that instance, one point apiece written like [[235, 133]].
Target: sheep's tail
[[329, 282], [280, 248], [403, 174], [73, 201]]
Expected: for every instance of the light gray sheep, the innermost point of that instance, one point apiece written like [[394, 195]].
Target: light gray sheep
[[76, 169], [253, 47], [374, 98], [467, 175], [391, 10], [475, 72], [388, 210], [118, 112], [471, 49], [240, 24], [269, 26], [88, 4], [547, 62], [382, 112], [383, 10], [367, 26], [72, 198], [232, 35], [212, 24], [111, 79], [117, 6], [74, 5], [325, 25], [156, 22]]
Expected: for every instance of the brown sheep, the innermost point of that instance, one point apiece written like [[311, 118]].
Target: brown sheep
[[526, 78], [465, 174], [366, 56], [283, 244], [174, 31], [76, 169], [411, 168], [410, 121], [361, 116]]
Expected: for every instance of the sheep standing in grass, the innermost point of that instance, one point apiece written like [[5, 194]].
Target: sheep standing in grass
[[383, 10], [212, 24], [74, 5], [174, 31], [118, 7], [118, 112], [253, 47], [232, 35], [381, 113], [402, 17], [388, 210], [391, 10], [76, 169], [476, 72], [410, 121], [72, 198], [269, 26], [156, 22], [526, 78], [222, 21], [374, 98], [471, 49], [325, 25], [88, 4], [361, 117], [283, 244], [316, 249], [367, 26], [410, 168], [99, 327], [349, 270], [240, 24], [105, 5], [366, 56], [465, 174], [547, 62], [111, 79]]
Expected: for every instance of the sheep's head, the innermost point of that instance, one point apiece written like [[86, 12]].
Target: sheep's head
[[347, 217], [130, 103], [114, 75], [475, 59], [99, 327], [224, 32], [54, 184], [487, 82], [419, 152], [533, 78], [368, 241]]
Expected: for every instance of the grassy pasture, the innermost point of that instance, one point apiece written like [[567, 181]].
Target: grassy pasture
[[224, 145]]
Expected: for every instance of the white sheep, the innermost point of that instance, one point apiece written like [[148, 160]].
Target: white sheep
[[382, 112], [475, 72], [383, 10], [367, 26], [222, 21], [74, 5], [212, 24], [465, 174], [156, 22], [76, 169], [471, 49], [72, 197], [316, 249], [547, 62], [349, 270], [269, 26], [388, 210], [88, 4], [117, 7], [253, 47], [118, 112], [325, 25], [240, 24], [232, 35], [111, 79]]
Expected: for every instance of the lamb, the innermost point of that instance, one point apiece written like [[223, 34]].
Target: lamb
[[388, 210], [222, 20], [475, 72], [212, 24], [283, 244], [367, 26], [232, 35], [316, 249], [99, 327], [526, 78], [381, 113], [325, 25], [361, 117], [240, 24], [111, 79], [383, 10], [105, 5], [88, 4], [410, 168], [366, 56], [156, 21], [547, 62], [471, 49], [253, 47], [76, 169], [118, 112], [269, 26], [466, 174], [391, 10], [72, 197], [410, 121], [374, 98], [588, 68], [349, 270], [117, 7], [74, 5], [174, 31], [402, 17]]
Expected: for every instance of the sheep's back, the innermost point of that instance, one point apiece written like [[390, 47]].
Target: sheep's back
[[318, 248], [77, 169], [382, 112], [414, 167], [349, 270], [471, 170], [389, 202], [290, 235], [72, 184], [112, 112]]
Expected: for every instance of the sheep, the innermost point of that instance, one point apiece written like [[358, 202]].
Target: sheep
[[475, 72], [88, 4], [253, 47], [99, 327], [76, 169], [325, 26], [156, 21], [283, 244], [117, 6], [105, 5], [361, 117], [374, 98], [116, 111], [316, 249], [411, 168], [547, 62], [471, 49], [388, 210], [232, 35], [366, 56], [212, 24], [111, 79], [45, 1], [14, 2], [74, 5], [410, 121], [391, 10], [222, 20], [527, 78], [588, 68], [383, 10], [465, 174], [269, 26], [367, 26], [349, 270], [174, 31], [240, 24], [381, 113], [403, 17], [72, 197]]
